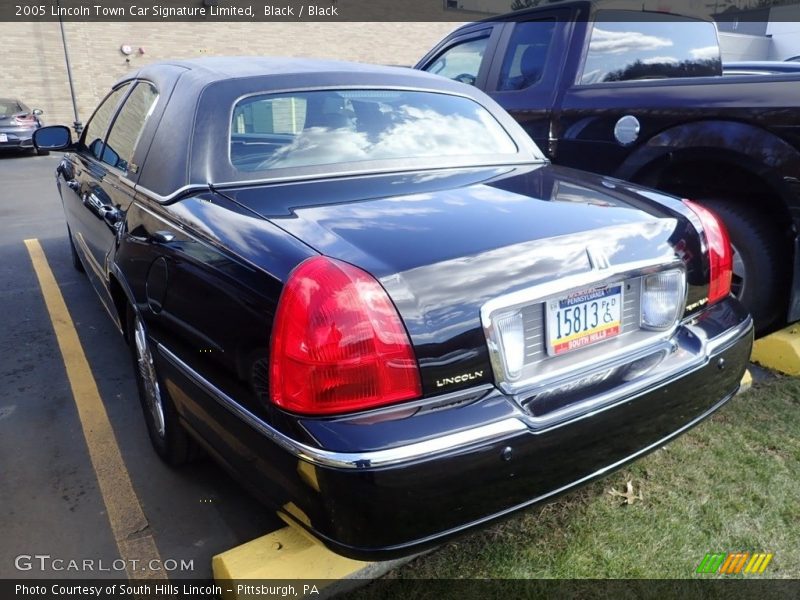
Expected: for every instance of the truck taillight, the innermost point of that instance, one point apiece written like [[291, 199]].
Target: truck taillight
[[338, 344], [720, 253]]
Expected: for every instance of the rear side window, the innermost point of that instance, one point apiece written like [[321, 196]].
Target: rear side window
[[128, 126], [9, 107], [526, 57], [462, 61], [625, 49], [275, 131], [96, 130]]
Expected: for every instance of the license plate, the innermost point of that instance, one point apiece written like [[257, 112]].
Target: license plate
[[3, 137], [583, 318]]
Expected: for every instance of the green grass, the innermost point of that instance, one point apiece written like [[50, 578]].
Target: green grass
[[731, 484]]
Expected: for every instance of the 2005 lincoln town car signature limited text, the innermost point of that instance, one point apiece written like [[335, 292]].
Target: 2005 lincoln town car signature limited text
[[365, 292]]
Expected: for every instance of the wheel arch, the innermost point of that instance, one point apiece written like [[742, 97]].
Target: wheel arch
[[737, 161], [758, 154], [722, 174], [122, 297]]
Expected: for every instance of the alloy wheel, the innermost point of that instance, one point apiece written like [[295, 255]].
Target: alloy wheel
[[147, 372]]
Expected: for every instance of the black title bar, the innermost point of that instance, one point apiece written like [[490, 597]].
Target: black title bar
[[214, 11]]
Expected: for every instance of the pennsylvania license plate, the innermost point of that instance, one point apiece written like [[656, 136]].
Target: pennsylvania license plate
[[3, 137], [583, 318]]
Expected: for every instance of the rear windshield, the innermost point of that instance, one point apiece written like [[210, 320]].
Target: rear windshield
[[300, 129], [626, 47], [9, 107]]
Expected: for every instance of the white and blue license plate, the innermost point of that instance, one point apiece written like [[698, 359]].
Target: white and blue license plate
[[583, 318], [3, 137]]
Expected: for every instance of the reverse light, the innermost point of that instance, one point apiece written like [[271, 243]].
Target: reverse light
[[663, 297], [720, 254], [511, 335], [338, 344]]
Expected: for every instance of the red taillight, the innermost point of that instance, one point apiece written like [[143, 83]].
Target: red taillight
[[720, 254], [338, 344], [24, 120]]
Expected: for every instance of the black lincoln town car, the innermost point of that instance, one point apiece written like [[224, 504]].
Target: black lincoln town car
[[365, 292]]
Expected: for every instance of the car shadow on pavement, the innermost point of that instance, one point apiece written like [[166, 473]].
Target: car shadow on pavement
[[10, 154]]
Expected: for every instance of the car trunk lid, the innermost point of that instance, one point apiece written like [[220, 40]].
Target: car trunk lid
[[444, 244]]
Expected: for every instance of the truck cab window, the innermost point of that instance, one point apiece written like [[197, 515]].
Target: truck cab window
[[525, 59], [460, 62], [663, 47]]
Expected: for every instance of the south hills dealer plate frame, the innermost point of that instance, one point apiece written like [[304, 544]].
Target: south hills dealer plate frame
[[602, 331]]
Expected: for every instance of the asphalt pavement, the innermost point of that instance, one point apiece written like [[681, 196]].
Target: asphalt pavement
[[50, 501]]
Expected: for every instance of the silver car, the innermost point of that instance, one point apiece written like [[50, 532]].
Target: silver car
[[17, 124]]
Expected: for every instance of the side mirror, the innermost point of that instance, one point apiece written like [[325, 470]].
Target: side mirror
[[54, 137], [110, 157], [38, 112]]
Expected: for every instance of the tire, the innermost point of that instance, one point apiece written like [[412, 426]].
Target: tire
[[760, 273], [76, 260], [42, 152], [168, 437]]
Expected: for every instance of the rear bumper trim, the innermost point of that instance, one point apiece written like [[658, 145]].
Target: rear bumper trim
[[709, 347], [454, 441], [349, 460], [401, 549]]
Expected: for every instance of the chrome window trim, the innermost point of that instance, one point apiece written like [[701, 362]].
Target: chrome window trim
[[518, 155], [302, 178], [123, 175], [179, 192]]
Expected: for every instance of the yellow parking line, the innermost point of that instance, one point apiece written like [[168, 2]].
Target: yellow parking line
[[128, 523]]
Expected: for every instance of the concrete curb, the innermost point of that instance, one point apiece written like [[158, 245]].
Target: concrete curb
[[291, 556], [779, 351]]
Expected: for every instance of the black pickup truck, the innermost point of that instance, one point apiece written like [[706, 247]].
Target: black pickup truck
[[640, 96]]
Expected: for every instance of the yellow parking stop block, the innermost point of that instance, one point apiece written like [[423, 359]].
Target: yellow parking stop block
[[779, 351], [285, 554]]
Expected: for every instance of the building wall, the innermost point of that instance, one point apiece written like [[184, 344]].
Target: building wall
[[784, 27], [34, 67], [776, 36], [738, 46]]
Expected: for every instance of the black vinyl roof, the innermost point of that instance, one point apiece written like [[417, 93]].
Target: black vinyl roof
[[185, 142]]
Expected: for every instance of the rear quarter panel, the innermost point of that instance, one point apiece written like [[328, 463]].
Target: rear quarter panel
[[208, 296]]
